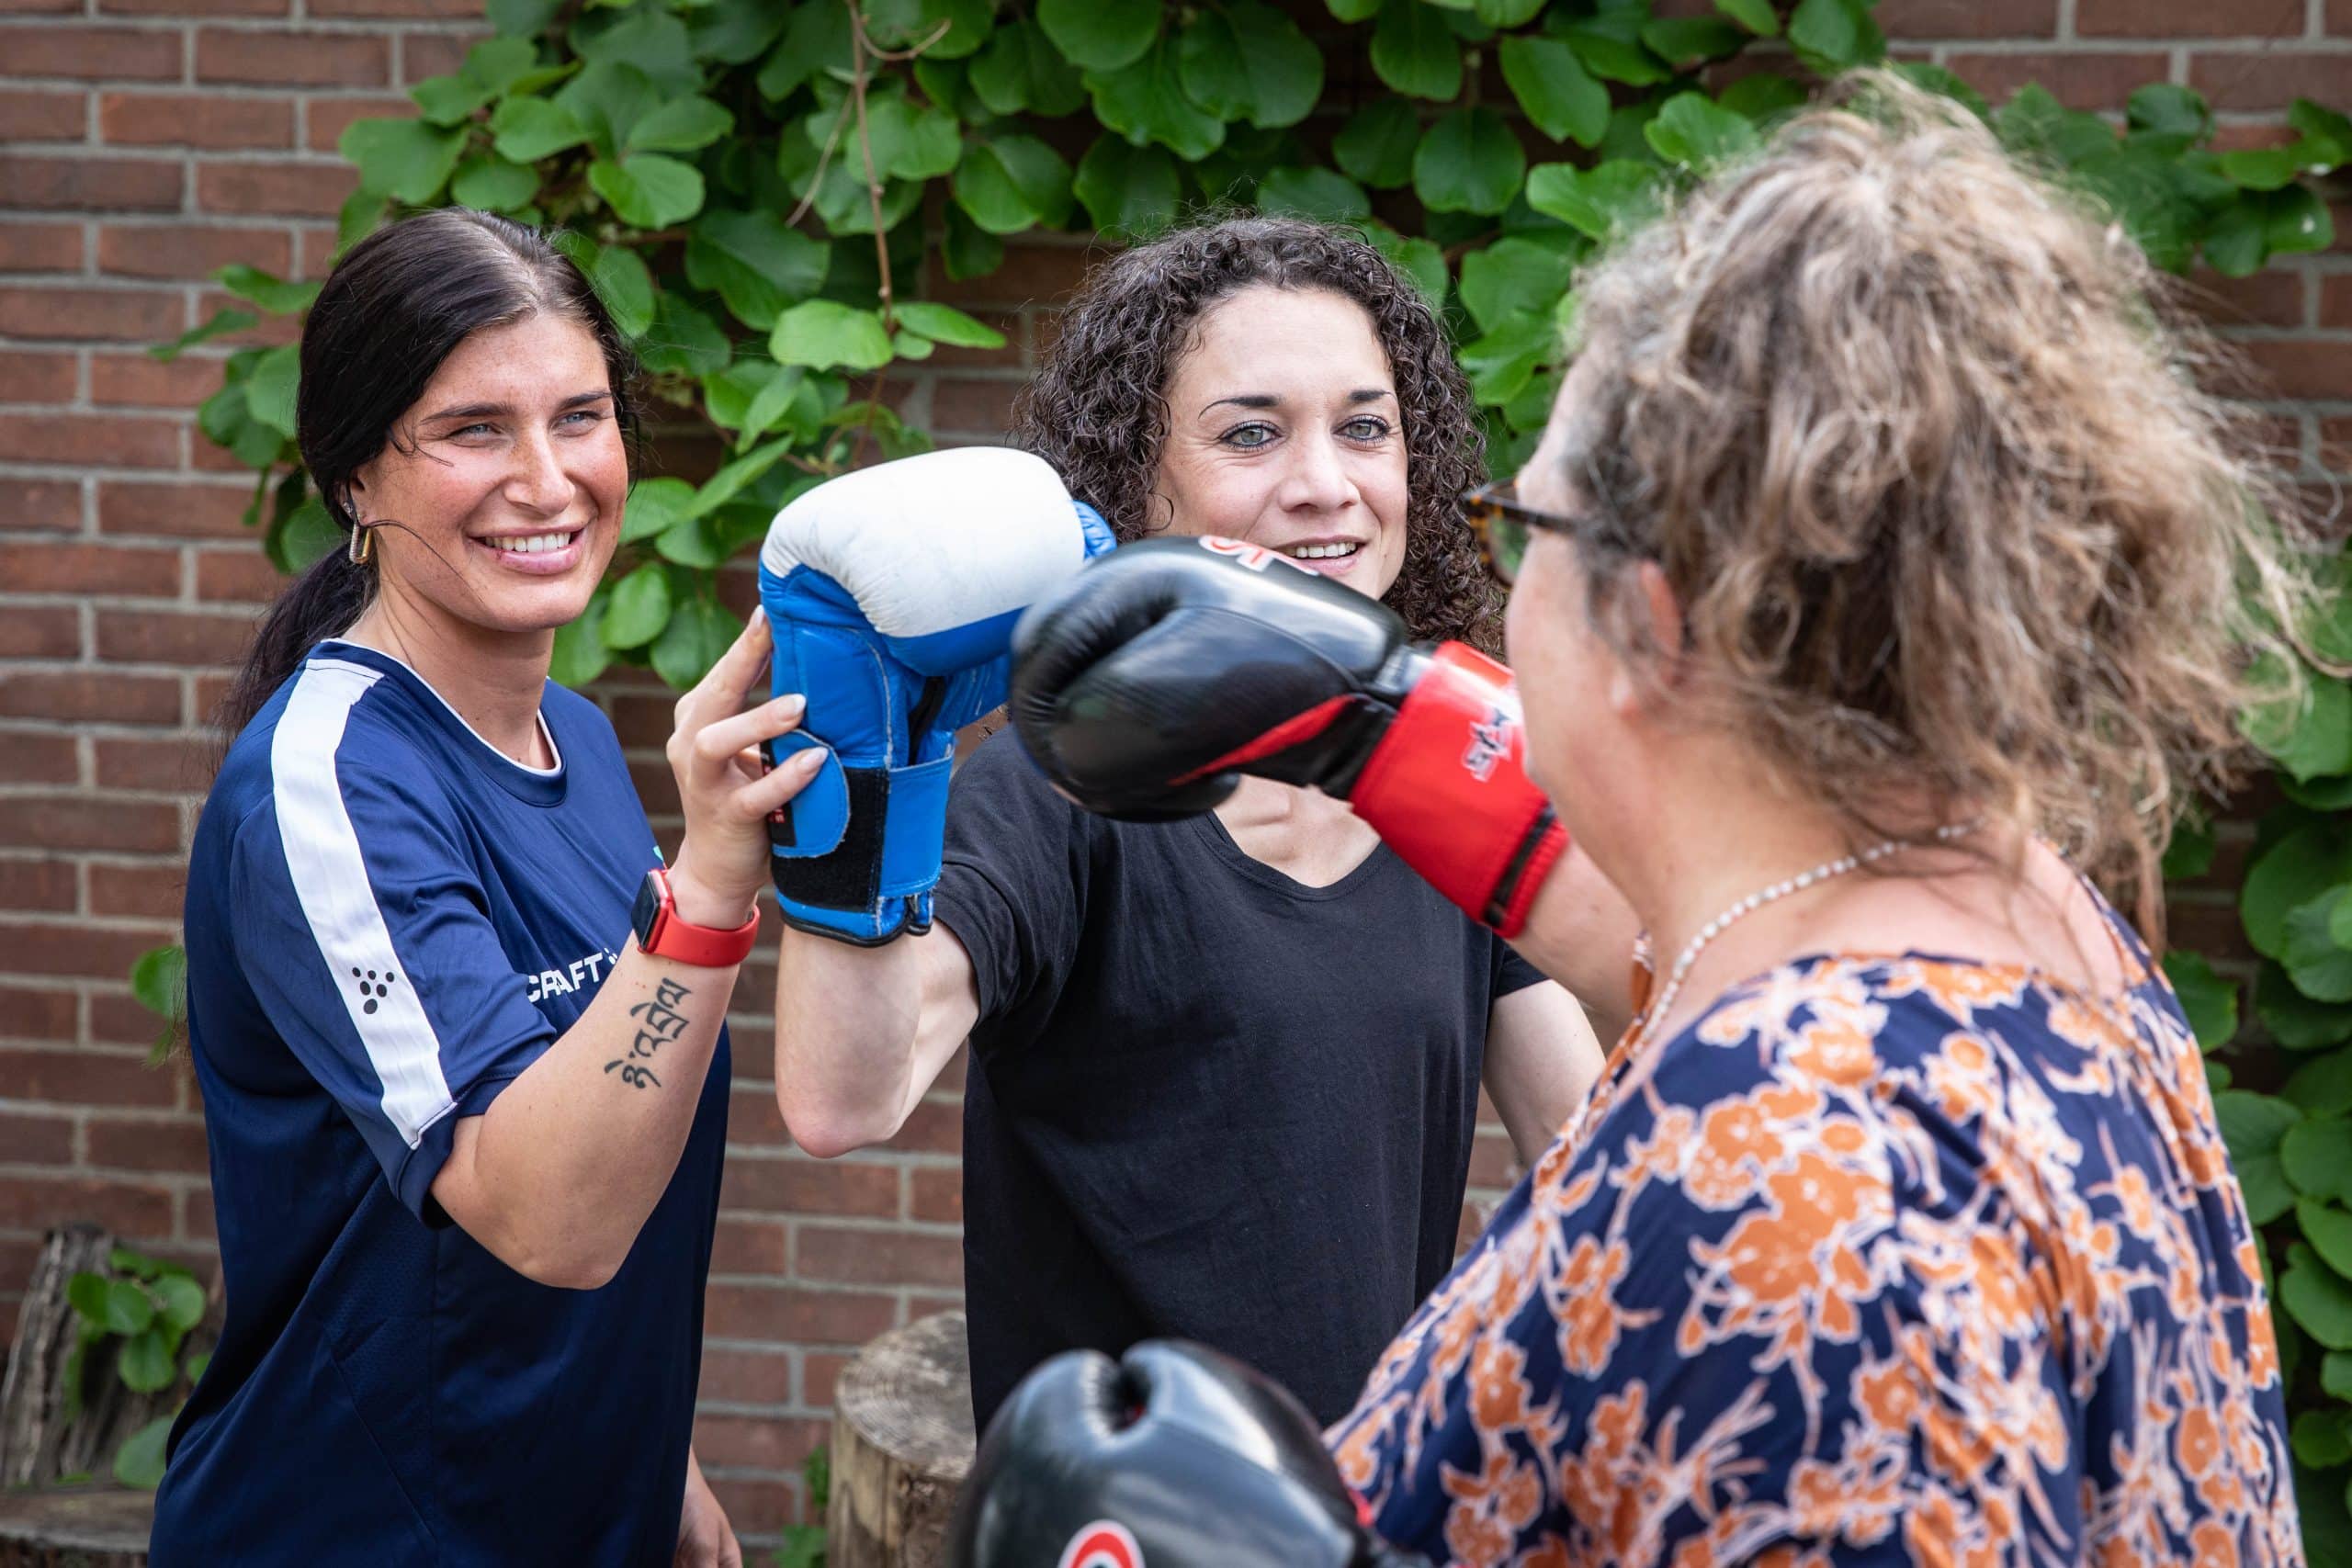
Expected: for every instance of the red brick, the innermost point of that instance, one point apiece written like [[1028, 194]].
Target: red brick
[[757, 1312], [37, 631], [76, 823], [39, 759], [753, 1120], [329, 118], [1014, 354], [207, 9], [49, 505], [2339, 16], [752, 1507], [27, 1014], [295, 190], [746, 1377], [27, 115], [2304, 367], [196, 119], [118, 315], [746, 1247], [140, 381], [972, 407], [447, 10], [36, 181], [153, 637], [1914, 19], [173, 766], [61, 567], [314, 258], [190, 250], [809, 1187], [1032, 274], [2271, 79], [820, 1372], [1494, 1163], [37, 377], [37, 1140], [934, 1126], [40, 7], [937, 1196], [40, 247], [2335, 300], [239, 576], [204, 458], [45, 948], [2079, 81], [95, 695], [199, 1223], [130, 1211], [2178, 18], [858, 1256], [37, 884], [299, 58], [95, 54], [756, 1442], [120, 1020], [139, 892], [435, 51], [122, 441], [2270, 299], [179, 510], [125, 1143]]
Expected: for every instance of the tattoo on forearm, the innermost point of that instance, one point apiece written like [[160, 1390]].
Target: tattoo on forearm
[[663, 1022]]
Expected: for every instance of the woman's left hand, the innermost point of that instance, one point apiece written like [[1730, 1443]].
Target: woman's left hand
[[705, 1538]]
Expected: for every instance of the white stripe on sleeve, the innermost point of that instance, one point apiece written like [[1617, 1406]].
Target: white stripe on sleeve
[[331, 881]]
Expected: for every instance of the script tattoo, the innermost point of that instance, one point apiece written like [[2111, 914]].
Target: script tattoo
[[660, 1022]]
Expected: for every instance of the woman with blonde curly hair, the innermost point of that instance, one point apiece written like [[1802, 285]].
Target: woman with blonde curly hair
[[1880, 579], [1225, 1073]]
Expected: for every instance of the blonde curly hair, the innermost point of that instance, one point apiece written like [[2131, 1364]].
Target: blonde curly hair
[[1928, 457]]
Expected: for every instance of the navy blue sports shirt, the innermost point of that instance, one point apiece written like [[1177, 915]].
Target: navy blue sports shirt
[[388, 921]]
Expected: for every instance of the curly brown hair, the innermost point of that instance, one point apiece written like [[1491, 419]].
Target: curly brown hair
[[1921, 446], [1097, 409]]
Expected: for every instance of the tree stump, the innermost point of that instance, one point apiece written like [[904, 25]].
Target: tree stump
[[91, 1528], [902, 1442]]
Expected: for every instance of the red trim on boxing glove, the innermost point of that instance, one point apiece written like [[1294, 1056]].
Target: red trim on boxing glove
[[1280, 738], [1448, 790]]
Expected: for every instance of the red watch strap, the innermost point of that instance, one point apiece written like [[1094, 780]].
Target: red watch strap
[[708, 947], [1448, 791]]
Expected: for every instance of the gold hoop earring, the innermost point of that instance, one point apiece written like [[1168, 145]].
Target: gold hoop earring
[[363, 544]]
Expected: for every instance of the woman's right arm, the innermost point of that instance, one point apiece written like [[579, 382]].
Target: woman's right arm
[[862, 1032]]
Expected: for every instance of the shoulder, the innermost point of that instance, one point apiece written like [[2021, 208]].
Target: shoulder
[[999, 783], [578, 722]]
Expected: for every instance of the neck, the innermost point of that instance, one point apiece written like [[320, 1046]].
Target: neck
[[493, 679]]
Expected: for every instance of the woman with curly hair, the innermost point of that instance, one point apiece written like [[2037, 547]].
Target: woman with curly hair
[[1225, 1072]]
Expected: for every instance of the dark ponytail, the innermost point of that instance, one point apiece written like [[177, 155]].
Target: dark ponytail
[[391, 311]]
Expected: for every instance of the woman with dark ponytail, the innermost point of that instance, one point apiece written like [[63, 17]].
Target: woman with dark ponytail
[[458, 1033]]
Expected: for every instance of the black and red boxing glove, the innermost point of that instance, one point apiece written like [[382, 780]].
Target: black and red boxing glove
[[1171, 1457], [1156, 674]]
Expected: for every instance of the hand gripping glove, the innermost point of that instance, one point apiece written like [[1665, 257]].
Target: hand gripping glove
[[892, 592], [1145, 684], [1172, 1456]]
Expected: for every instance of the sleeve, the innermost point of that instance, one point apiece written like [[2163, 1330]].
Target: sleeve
[[1012, 882], [1513, 973], [364, 932]]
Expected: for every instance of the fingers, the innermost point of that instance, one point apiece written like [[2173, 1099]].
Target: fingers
[[722, 738], [738, 672], [786, 779]]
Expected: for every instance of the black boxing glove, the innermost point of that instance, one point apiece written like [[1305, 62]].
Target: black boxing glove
[[1147, 681], [1172, 1456]]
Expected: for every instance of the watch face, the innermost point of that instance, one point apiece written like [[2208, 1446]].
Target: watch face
[[648, 908]]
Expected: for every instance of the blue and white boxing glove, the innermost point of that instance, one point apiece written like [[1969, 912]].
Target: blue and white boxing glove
[[892, 592]]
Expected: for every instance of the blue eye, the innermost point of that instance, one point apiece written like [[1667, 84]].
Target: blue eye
[[1249, 437], [1366, 428]]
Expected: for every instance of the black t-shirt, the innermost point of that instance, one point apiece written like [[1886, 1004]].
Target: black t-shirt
[[1205, 1101]]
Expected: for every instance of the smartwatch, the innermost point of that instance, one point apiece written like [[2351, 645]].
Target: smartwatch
[[662, 931]]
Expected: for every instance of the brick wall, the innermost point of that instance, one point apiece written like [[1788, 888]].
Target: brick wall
[[145, 142]]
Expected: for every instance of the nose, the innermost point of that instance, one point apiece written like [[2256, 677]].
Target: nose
[[538, 482], [1316, 479]]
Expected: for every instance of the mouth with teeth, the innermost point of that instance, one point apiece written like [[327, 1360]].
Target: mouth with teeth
[[537, 554], [1330, 556]]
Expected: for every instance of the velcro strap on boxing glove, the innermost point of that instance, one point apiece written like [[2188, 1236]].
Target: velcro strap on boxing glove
[[1447, 789], [866, 890]]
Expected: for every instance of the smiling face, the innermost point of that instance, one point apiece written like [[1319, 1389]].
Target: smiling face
[[509, 474], [1285, 430]]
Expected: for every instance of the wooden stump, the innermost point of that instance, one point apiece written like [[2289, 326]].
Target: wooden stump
[[902, 1443], [95, 1527]]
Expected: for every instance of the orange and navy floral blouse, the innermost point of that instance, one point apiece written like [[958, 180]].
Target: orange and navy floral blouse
[[1882, 1259]]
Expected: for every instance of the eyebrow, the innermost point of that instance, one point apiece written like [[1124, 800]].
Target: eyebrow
[[480, 410], [1268, 400]]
